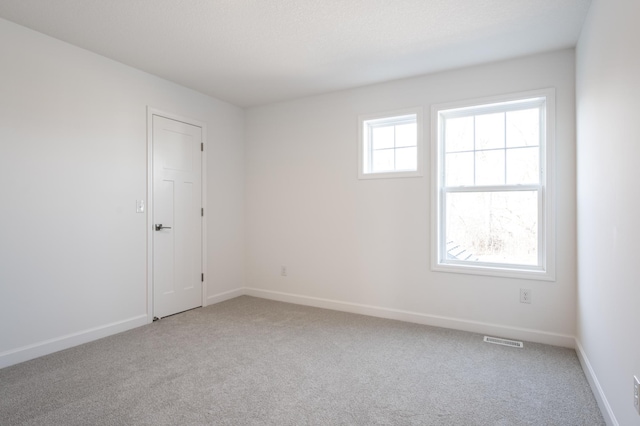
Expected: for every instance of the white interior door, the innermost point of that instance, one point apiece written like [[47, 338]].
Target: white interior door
[[177, 220]]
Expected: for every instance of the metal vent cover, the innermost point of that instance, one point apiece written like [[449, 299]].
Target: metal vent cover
[[504, 342]]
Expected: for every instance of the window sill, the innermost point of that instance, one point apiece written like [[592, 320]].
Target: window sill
[[495, 272], [389, 175]]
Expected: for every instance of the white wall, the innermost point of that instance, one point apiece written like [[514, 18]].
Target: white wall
[[366, 242], [72, 165], [608, 106]]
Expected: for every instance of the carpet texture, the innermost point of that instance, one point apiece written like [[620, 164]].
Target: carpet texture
[[249, 361]]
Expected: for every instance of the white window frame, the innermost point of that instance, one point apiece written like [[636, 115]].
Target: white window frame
[[364, 143], [546, 191]]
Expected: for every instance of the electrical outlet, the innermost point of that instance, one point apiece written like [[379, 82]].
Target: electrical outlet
[[636, 393], [525, 295], [283, 271]]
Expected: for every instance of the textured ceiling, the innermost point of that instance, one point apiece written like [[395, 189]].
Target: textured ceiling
[[252, 52]]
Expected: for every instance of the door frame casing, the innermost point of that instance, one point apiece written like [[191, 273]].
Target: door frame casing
[[149, 218]]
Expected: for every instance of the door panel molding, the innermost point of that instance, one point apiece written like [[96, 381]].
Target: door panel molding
[[149, 212]]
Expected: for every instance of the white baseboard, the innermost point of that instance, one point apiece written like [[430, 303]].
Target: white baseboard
[[35, 350], [221, 297], [25, 353], [605, 408], [497, 330]]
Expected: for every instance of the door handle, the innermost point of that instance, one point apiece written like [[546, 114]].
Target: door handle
[[159, 227]]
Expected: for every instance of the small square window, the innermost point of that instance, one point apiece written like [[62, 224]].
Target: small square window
[[390, 144]]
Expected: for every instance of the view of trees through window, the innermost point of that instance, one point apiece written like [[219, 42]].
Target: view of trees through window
[[495, 227]]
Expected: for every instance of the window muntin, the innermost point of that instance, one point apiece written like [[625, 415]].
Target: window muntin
[[390, 144], [492, 210]]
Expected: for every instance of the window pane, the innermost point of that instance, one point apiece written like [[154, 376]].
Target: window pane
[[523, 128], [494, 227], [523, 165], [406, 135], [459, 169], [490, 167], [382, 137], [382, 160], [459, 134], [490, 131], [406, 158]]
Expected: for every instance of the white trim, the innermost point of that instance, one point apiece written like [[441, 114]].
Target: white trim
[[493, 271], [49, 346], [601, 398], [547, 250], [149, 213], [498, 330], [488, 100], [203, 200], [418, 112], [479, 106], [227, 295], [203, 189]]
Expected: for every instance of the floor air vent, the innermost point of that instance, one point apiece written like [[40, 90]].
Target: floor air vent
[[504, 342]]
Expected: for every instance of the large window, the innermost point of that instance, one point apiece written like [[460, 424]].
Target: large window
[[493, 208], [390, 144]]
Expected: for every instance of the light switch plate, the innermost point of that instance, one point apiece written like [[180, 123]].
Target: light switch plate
[[139, 206]]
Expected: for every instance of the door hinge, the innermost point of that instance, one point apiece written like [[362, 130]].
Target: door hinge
[[201, 146], [202, 277], [202, 211]]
